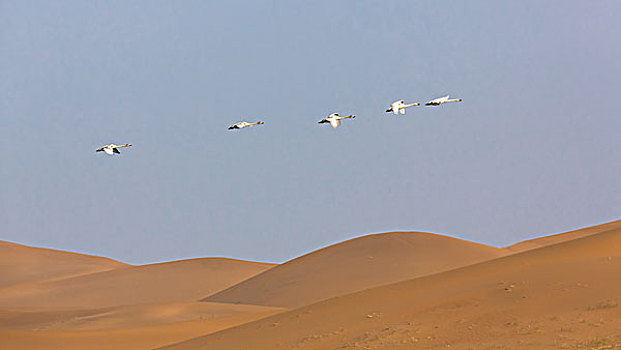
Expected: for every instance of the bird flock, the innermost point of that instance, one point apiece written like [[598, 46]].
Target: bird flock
[[397, 107]]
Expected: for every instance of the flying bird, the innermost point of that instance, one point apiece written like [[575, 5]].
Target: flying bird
[[335, 120], [111, 149], [440, 100], [244, 124], [400, 106]]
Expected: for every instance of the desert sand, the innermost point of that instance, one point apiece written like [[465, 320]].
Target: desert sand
[[185, 280], [20, 264], [354, 265], [402, 290]]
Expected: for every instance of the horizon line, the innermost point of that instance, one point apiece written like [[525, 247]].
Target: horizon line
[[315, 249]]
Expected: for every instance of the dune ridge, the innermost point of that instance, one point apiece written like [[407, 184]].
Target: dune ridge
[[22, 264], [562, 237], [184, 280], [356, 264], [522, 301], [400, 290]]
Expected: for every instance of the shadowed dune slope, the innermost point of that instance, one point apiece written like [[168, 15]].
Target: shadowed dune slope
[[560, 296], [21, 264], [179, 281], [131, 337], [562, 237], [354, 265], [130, 316]]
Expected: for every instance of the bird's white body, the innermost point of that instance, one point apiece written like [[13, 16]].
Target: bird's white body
[[111, 149], [441, 100], [398, 107], [335, 120], [244, 124]]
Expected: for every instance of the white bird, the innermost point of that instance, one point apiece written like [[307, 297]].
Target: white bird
[[243, 124], [334, 119], [111, 149], [440, 100], [400, 106]]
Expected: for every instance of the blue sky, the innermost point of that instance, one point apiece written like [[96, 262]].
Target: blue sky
[[534, 148]]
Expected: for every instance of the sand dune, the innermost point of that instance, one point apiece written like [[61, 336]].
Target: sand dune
[[354, 265], [180, 281], [126, 316], [21, 264], [561, 296], [562, 237], [384, 291], [136, 307], [135, 338]]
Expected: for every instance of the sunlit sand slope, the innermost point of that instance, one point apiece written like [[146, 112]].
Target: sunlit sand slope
[[354, 265], [125, 316], [561, 296], [134, 337], [20, 264], [562, 237], [186, 280]]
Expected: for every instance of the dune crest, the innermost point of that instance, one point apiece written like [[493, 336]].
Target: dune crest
[[564, 295], [185, 280], [562, 237], [353, 265], [22, 264], [385, 291]]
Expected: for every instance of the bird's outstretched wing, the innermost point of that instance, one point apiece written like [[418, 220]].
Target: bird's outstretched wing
[[115, 150], [324, 121]]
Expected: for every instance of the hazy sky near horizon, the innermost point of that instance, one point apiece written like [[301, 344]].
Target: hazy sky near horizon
[[533, 149]]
